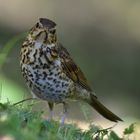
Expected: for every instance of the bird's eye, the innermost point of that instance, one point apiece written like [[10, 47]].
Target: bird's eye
[[52, 31], [37, 25]]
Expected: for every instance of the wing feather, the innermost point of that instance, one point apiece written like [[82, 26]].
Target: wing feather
[[71, 69]]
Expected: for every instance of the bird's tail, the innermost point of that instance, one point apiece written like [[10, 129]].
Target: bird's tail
[[103, 110]]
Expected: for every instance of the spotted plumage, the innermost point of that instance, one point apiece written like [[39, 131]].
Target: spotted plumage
[[50, 72]]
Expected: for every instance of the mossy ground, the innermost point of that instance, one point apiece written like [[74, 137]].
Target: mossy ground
[[20, 122]]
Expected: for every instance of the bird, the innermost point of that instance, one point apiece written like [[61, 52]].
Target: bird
[[52, 75]]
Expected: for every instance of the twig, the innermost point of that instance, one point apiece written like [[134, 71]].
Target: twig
[[105, 130], [24, 101]]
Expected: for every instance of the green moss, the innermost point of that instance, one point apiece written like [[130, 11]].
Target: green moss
[[21, 123]]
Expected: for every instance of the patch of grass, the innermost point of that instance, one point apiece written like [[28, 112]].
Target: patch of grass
[[21, 123]]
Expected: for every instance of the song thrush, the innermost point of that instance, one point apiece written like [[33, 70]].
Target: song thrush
[[50, 72]]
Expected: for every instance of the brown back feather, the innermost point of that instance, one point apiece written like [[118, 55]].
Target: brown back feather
[[71, 69]]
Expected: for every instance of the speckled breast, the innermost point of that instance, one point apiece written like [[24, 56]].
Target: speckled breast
[[45, 78]]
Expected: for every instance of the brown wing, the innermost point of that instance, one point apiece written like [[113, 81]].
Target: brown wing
[[71, 69]]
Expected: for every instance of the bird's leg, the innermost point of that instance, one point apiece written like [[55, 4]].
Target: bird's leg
[[51, 105], [65, 107]]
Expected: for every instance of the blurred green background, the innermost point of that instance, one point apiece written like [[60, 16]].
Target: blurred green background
[[103, 37]]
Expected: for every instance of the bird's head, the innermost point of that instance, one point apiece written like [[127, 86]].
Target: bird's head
[[44, 31]]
